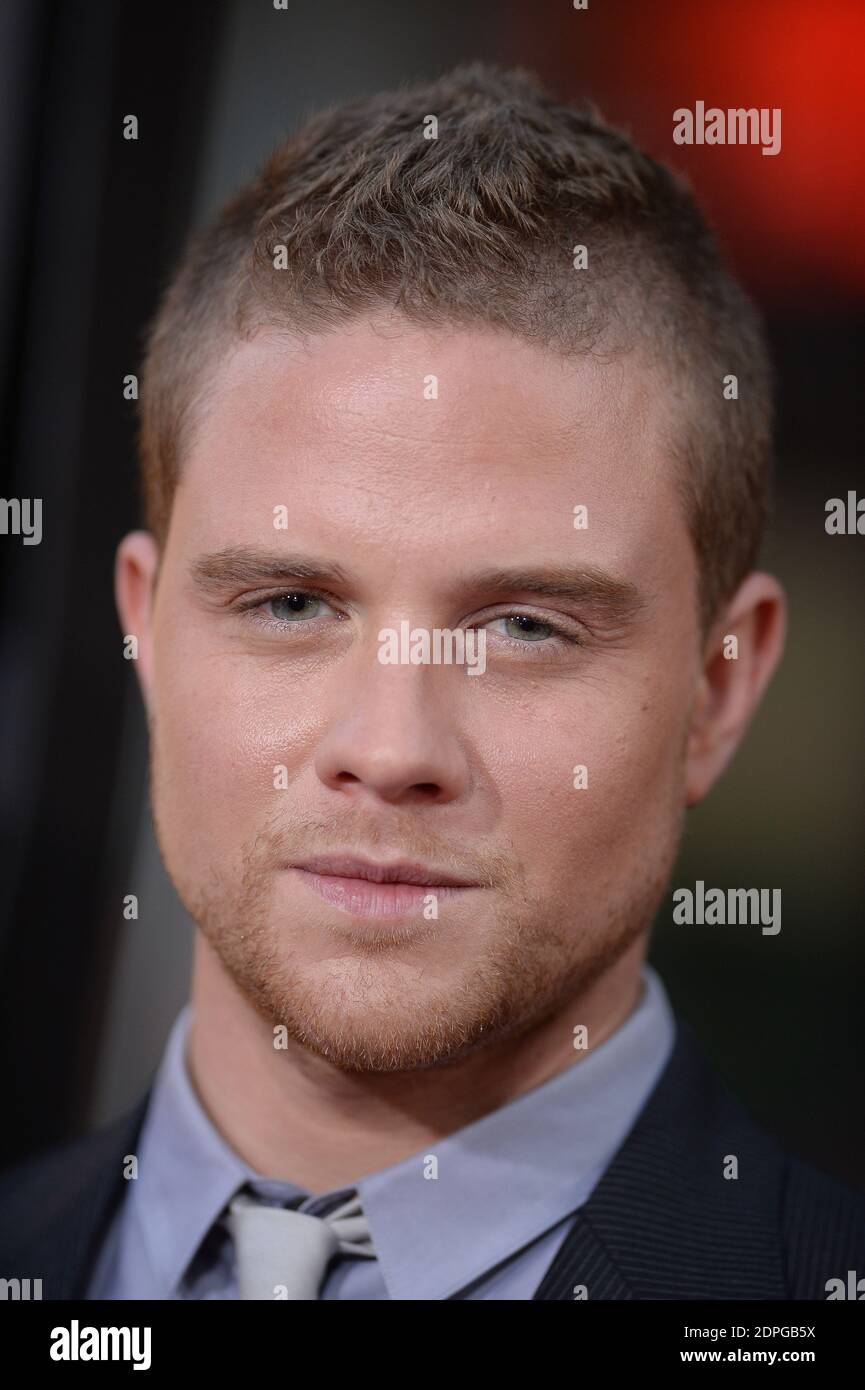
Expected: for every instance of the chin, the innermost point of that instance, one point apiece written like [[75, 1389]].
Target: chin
[[379, 1015]]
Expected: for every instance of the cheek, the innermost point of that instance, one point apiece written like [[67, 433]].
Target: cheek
[[581, 779], [223, 727], [209, 774]]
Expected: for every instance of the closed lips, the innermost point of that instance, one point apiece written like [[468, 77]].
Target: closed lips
[[339, 866]]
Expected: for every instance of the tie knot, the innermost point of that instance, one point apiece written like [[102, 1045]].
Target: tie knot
[[282, 1253]]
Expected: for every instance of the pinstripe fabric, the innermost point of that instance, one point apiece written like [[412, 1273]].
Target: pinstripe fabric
[[662, 1223], [665, 1223], [583, 1268], [826, 1232]]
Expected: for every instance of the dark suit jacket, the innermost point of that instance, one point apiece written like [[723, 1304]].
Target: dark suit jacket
[[663, 1222]]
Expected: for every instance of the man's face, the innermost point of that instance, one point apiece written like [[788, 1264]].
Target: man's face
[[280, 738]]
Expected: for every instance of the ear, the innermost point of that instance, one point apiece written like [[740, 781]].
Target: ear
[[135, 571], [734, 676]]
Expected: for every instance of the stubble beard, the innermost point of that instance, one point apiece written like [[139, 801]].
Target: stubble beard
[[366, 1010]]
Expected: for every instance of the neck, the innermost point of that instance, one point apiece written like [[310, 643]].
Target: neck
[[291, 1114]]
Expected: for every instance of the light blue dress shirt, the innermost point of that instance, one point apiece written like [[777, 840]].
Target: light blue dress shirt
[[487, 1227]]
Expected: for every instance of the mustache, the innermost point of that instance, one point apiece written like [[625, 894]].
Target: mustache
[[280, 843]]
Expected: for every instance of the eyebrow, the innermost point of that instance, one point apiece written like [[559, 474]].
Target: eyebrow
[[610, 598], [222, 569]]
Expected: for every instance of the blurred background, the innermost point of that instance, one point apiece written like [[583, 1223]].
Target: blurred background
[[90, 226]]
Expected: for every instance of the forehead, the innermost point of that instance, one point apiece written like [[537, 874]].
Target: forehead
[[432, 438]]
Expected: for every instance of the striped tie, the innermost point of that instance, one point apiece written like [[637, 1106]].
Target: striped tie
[[284, 1254]]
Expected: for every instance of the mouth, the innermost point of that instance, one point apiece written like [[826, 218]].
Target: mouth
[[364, 888]]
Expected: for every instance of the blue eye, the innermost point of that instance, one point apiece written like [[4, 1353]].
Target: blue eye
[[294, 607], [526, 629]]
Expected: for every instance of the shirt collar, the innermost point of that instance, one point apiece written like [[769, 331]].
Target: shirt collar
[[187, 1171], [500, 1182], [515, 1173]]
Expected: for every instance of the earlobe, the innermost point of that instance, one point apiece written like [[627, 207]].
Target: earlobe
[[135, 571], [742, 653]]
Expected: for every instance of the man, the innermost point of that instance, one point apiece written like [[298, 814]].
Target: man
[[452, 517]]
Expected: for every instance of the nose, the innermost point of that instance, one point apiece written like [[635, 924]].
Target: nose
[[395, 738]]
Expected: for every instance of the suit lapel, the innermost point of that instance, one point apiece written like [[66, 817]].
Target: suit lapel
[[664, 1222], [64, 1205]]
